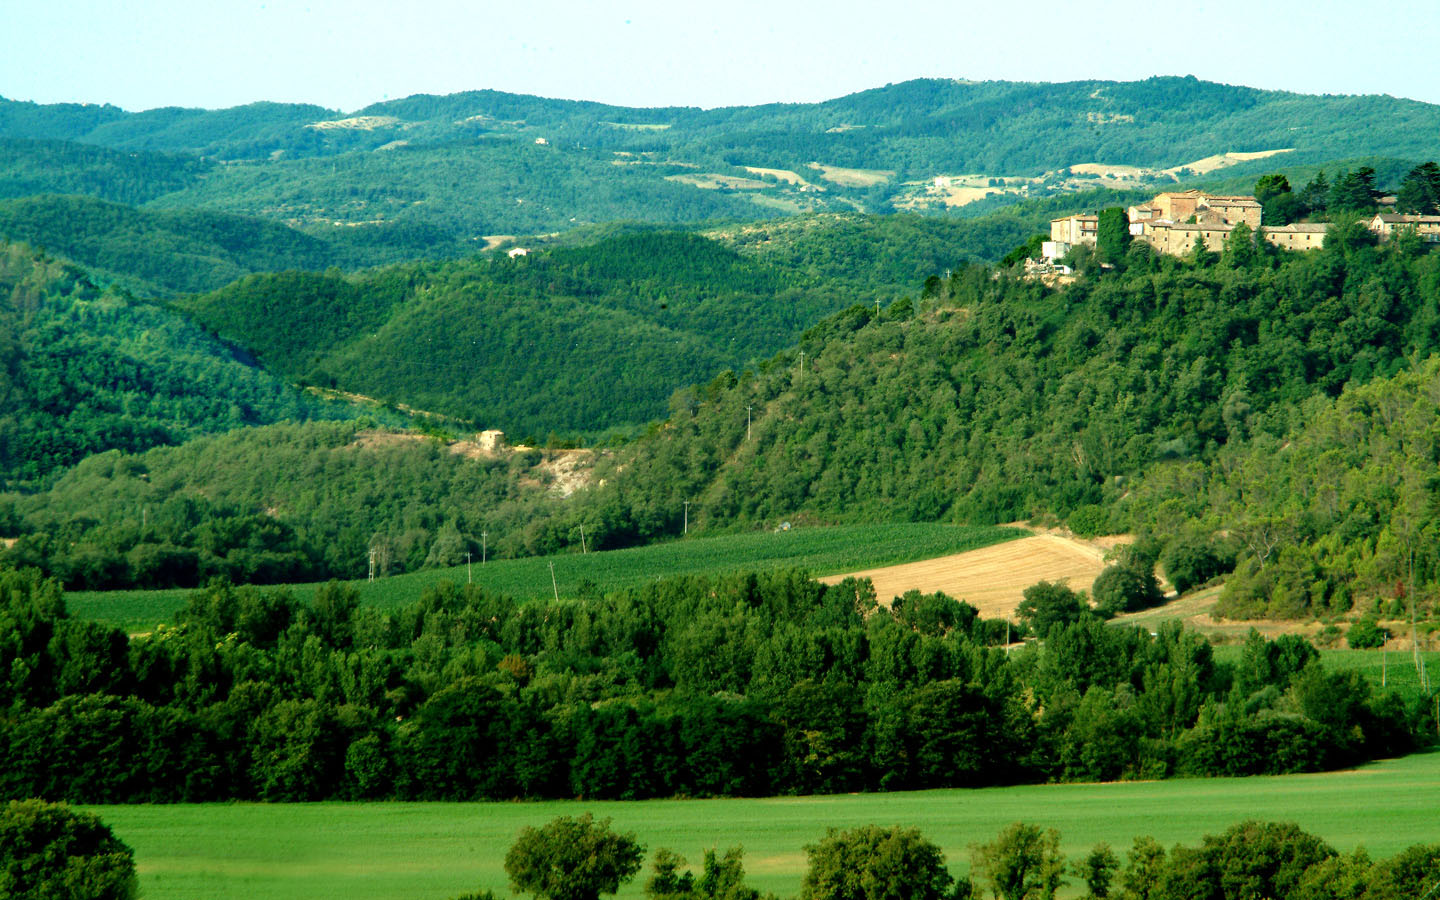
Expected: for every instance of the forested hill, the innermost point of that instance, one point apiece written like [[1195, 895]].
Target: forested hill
[[1157, 122], [574, 340], [84, 369], [1000, 398], [486, 162]]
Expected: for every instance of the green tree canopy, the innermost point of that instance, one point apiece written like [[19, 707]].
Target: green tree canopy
[[1112, 235], [1420, 191], [875, 863], [1126, 587], [1022, 863], [1270, 186], [572, 859], [50, 852], [1048, 604]]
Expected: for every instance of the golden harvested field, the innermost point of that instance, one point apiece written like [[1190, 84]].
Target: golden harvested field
[[784, 175], [992, 579], [1221, 160]]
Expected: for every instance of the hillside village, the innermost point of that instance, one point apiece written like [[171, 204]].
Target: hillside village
[[1174, 220]]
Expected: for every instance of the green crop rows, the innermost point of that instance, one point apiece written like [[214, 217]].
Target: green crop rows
[[820, 550]]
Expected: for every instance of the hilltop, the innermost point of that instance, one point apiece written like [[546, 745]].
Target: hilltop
[[486, 162]]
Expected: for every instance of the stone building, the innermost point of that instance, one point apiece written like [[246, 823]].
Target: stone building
[[1386, 224], [1173, 220], [1300, 236]]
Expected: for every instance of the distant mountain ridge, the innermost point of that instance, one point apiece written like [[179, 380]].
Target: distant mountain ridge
[[489, 162]]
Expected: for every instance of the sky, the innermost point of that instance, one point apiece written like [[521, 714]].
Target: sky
[[141, 54]]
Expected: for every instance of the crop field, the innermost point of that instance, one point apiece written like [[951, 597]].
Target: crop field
[[993, 579], [379, 851], [821, 550]]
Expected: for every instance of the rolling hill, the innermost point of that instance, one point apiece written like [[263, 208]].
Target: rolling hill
[[486, 162]]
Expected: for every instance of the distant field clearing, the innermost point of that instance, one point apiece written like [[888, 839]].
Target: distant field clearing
[[784, 175], [712, 182], [853, 177], [992, 579], [1221, 160]]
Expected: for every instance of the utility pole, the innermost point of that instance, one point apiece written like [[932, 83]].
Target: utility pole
[[747, 424], [687, 518], [483, 536], [877, 307], [467, 566], [372, 564], [802, 363], [553, 583], [583, 551]]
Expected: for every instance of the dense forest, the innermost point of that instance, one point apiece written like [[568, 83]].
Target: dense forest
[[87, 369], [745, 685], [574, 340]]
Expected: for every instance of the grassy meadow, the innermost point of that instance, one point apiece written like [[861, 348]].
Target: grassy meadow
[[380, 851], [822, 550]]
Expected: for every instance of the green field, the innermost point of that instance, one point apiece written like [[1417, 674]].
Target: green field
[[823, 551], [370, 851]]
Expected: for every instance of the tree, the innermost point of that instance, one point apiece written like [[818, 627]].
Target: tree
[[1240, 251], [722, 878], [49, 851], [1354, 191], [1413, 872], [1022, 863], [875, 863], [572, 859], [1126, 588], [1317, 193], [1097, 869], [1366, 635], [1270, 186], [1048, 604], [1190, 560], [1112, 235], [1420, 191]]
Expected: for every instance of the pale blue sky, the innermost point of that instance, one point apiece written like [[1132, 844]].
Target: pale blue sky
[[345, 55]]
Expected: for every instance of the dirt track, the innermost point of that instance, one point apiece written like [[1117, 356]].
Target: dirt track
[[992, 579]]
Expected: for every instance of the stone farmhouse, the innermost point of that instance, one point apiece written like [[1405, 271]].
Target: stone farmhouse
[[1386, 224], [1173, 220]]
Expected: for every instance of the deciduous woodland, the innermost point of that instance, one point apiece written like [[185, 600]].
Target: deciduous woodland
[[745, 685]]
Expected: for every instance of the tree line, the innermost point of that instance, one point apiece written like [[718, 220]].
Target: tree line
[[581, 859], [743, 685], [50, 850]]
